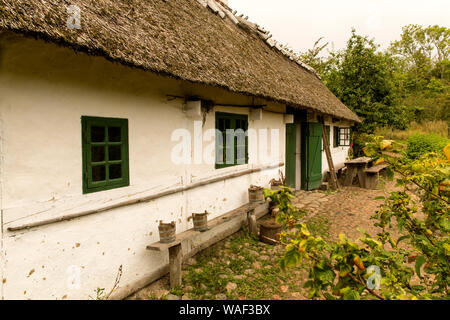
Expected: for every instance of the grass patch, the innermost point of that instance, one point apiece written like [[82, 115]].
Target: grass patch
[[440, 128], [420, 144], [319, 226], [233, 261]]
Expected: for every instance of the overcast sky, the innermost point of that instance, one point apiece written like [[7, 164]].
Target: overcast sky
[[300, 23]]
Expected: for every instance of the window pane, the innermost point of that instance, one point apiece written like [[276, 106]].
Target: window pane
[[97, 153], [115, 171], [227, 124], [232, 149], [219, 155], [114, 134], [97, 134], [98, 173], [240, 154], [115, 152]]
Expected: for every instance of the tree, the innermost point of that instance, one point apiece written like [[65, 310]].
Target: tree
[[409, 81], [424, 49], [362, 78], [312, 57], [423, 70]]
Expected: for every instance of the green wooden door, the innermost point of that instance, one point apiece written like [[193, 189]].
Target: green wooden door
[[314, 155], [291, 133]]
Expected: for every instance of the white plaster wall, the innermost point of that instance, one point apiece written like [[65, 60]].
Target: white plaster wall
[[45, 90]]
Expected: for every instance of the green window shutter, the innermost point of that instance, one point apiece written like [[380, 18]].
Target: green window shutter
[[336, 137], [291, 145], [105, 153], [232, 148], [314, 156]]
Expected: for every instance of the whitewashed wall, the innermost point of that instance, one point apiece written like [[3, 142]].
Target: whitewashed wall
[[45, 89]]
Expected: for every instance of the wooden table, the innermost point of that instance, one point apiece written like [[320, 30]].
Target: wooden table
[[356, 165]]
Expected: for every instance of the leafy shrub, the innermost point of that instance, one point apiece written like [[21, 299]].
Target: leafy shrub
[[420, 144], [413, 265]]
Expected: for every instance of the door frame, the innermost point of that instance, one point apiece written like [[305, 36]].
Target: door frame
[[300, 116], [290, 155]]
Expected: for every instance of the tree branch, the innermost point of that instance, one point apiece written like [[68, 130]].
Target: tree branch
[[416, 183]]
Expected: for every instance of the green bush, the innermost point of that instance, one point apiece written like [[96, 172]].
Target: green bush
[[420, 144]]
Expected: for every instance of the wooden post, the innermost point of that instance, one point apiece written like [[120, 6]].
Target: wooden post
[[326, 147], [175, 260], [362, 176], [349, 175], [251, 218]]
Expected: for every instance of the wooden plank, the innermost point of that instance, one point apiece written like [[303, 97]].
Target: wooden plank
[[175, 260], [372, 175], [361, 160], [251, 221], [291, 157], [314, 155], [361, 177], [371, 181], [349, 176]]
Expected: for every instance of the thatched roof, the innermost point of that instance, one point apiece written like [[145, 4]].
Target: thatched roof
[[195, 40]]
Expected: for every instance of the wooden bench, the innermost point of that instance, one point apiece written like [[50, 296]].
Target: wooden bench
[[195, 241], [373, 174]]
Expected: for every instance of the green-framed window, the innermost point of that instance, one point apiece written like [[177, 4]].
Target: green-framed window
[[105, 153], [342, 136], [327, 129], [231, 139]]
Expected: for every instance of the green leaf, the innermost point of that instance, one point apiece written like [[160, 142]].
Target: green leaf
[[445, 224], [326, 276], [418, 288], [402, 238], [389, 173], [282, 265], [328, 296], [419, 263], [351, 295], [291, 258], [379, 198]]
